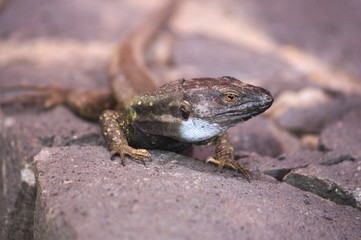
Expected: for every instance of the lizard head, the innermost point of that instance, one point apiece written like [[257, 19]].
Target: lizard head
[[224, 100], [217, 104], [200, 108]]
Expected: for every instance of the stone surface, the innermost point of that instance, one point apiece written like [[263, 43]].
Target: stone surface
[[264, 137], [314, 119], [333, 39], [82, 193], [22, 136], [345, 135], [283, 164], [303, 98], [336, 176], [340, 182]]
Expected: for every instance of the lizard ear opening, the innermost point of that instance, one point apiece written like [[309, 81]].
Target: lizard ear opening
[[185, 110]]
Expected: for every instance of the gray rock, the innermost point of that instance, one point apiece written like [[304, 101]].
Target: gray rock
[[345, 135], [16, 193], [262, 136], [337, 175], [22, 217], [283, 164], [21, 137], [330, 175], [315, 119], [339, 182], [84, 195], [280, 166]]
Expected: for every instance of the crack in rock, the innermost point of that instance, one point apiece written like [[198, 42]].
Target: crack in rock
[[325, 189], [337, 160]]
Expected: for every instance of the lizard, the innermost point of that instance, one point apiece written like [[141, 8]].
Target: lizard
[[172, 117]]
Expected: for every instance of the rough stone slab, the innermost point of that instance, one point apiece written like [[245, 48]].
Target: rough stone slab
[[261, 135], [344, 136], [338, 178], [21, 137], [280, 166], [328, 39], [17, 186], [314, 119], [84, 195], [285, 163], [313, 180], [307, 97]]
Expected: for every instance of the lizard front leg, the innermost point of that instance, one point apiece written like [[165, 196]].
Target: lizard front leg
[[225, 155], [113, 124]]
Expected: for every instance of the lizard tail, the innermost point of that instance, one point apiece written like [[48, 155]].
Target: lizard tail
[[128, 67]]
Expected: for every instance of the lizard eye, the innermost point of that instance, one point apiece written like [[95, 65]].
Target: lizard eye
[[185, 110], [231, 96]]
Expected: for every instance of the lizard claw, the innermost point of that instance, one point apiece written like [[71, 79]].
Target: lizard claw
[[230, 163], [123, 150]]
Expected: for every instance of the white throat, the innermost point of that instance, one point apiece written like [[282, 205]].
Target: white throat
[[196, 130]]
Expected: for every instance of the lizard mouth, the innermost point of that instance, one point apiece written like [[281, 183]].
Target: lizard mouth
[[242, 113]]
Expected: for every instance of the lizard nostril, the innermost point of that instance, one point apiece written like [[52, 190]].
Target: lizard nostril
[[268, 98]]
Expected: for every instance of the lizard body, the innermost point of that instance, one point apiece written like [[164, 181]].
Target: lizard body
[[184, 112]]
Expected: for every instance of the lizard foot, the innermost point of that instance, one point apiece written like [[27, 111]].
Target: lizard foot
[[49, 95], [230, 163], [123, 150]]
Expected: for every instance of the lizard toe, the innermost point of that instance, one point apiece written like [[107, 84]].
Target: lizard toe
[[140, 154], [230, 163], [123, 150]]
